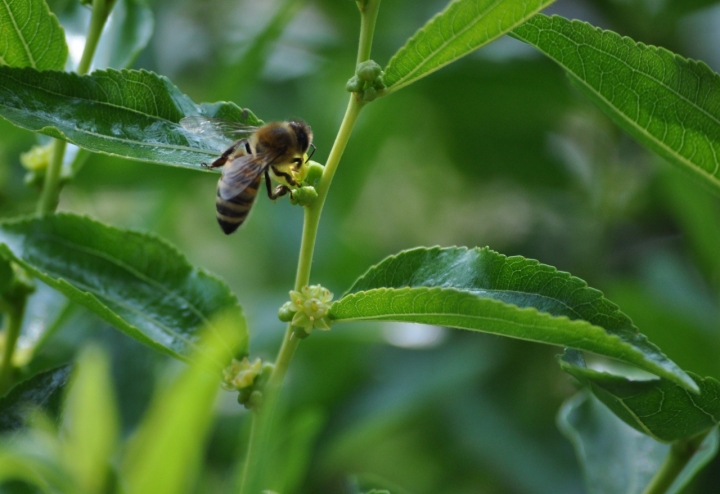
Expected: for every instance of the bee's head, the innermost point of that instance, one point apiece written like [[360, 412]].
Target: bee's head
[[303, 134]]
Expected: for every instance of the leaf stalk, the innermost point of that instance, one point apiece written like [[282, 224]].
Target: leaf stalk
[[681, 452]]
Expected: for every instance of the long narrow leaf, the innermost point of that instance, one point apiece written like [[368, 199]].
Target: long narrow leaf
[[481, 290], [668, 103], [463, 27]]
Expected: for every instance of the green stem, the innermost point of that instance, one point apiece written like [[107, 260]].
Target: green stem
[[681, 452], [100, 12], [52, 185], [262, 419], [13, 323]]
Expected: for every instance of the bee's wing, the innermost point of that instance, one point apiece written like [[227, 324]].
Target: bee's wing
[[242, 171], [215, 127]]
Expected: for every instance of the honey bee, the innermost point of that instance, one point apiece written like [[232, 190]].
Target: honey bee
[[277, 150]]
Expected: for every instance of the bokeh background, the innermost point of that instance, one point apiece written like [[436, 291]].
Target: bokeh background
[[495, 150]]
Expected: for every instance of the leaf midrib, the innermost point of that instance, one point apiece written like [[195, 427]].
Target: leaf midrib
[[92, 101], [19, 32], [480, 16]]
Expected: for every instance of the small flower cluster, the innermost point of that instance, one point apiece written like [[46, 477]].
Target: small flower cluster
[[367, 81], [308, 309], [248, 378]]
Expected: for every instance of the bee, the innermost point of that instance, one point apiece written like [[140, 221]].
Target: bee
[[277, 150]]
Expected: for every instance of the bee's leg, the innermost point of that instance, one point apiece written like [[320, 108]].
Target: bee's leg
[[279, 191], [286, 176], [226, 154]]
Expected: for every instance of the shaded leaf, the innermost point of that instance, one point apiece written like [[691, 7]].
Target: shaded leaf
[[604, 443], [658, 407], [482, 290], [43, 391], [668, 103], [31, 36], [128, 113], [135, 281], [464, 26]]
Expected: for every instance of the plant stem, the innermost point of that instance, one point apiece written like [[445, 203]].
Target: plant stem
[[681, 452], [13, 323], [100, 12], [51, 187], [262, 419]]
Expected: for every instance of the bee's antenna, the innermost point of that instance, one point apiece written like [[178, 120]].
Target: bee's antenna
[[311, 153]]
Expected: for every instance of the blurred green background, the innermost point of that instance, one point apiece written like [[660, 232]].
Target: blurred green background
[[497, 149]]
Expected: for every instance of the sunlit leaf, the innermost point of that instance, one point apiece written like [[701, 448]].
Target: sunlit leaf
[[658, 407], [164, 455], [479, 289], [90, 422], [464, 26], [31, 36], [668, 103], [604, 443], [128, 113], [135, 281]]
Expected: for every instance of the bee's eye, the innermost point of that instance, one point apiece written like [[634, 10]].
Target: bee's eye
[[297, 161]]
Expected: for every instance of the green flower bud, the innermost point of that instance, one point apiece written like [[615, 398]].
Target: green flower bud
[[369, 95], [368, 70], [285, 314], [354, 85], [304, 196], [315, 171], [378, 83]]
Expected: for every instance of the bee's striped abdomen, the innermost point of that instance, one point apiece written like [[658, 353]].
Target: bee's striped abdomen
[[231, 213]]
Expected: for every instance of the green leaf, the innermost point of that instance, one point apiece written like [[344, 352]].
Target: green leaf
[[31, 36], [659, 408], [604, 443], [128, 113], [463, 27], [134, 281], [164, 455], [43, 391], [90, 422], [666, 102], [479, 289]]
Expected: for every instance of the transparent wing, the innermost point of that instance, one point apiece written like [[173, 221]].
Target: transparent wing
[[216, 128], [239, 173]]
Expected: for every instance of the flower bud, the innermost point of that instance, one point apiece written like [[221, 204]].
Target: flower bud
[[304, 196], [315, 171], [354, 85], [369, 95], [368, 70]]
